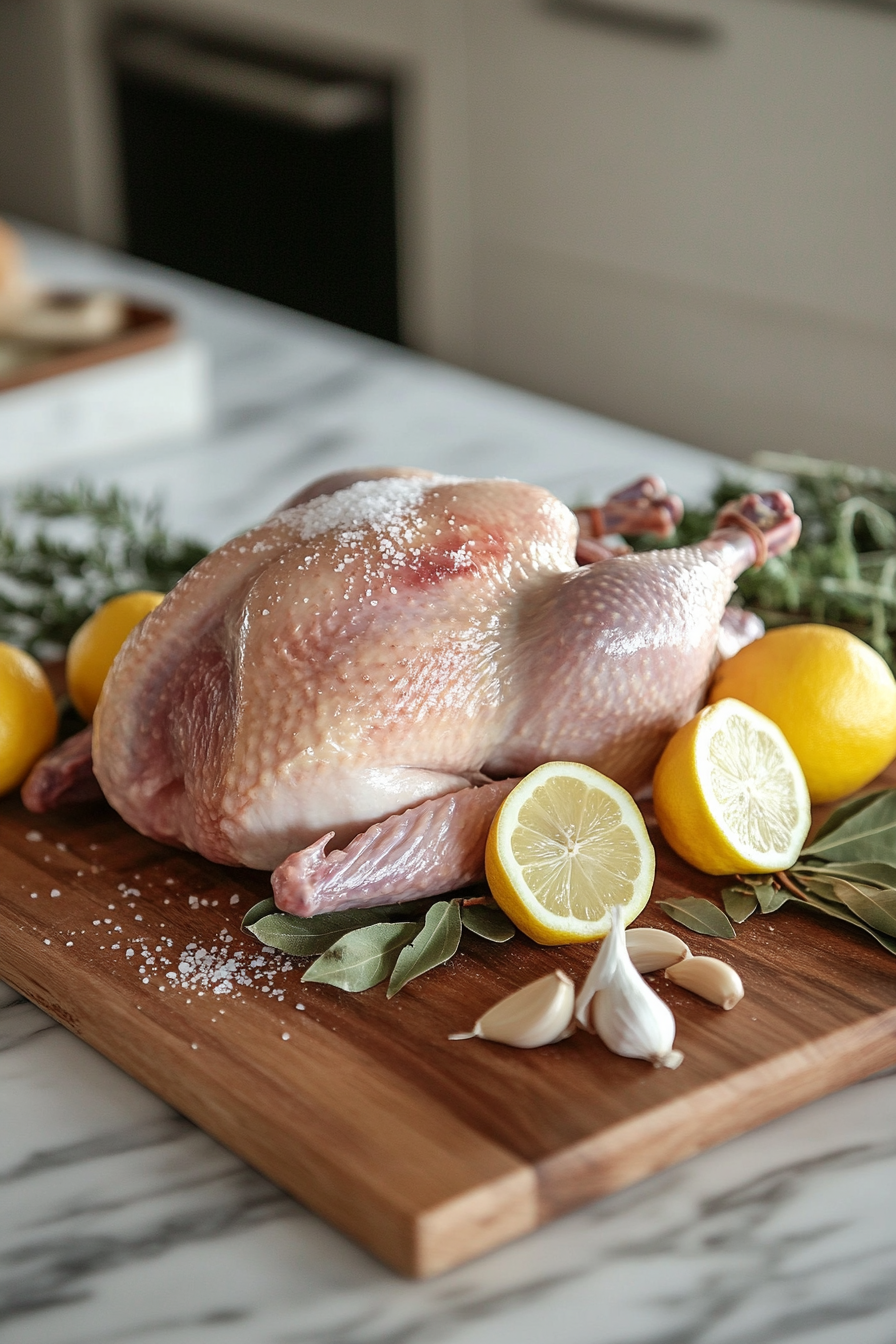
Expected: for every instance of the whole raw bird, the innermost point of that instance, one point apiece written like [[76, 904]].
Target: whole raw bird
[[377, 663]]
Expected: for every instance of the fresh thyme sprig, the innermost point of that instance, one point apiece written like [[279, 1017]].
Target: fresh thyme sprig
[[843, 569], [64, 552]]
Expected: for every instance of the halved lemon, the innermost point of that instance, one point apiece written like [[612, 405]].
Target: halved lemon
[[729, 793], [568, 844]]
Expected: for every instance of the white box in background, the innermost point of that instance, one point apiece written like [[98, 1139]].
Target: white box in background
[[108, 408]]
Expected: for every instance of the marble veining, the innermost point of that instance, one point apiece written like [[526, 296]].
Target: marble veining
[[120, 1221]]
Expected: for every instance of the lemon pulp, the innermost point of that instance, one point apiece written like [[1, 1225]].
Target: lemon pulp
[[566, 846]]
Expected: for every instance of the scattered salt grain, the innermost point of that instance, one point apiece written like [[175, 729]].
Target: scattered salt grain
[[55, 892], [234, 900], [376, 504], [47, 941], [33, 836], [285, 1036]]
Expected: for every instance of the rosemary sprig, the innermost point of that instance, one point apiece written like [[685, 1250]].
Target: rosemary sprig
[[64, 552], [843, 569]]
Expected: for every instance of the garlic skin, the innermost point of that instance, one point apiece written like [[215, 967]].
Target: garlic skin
[[537, 1014], [710, 978], [627, 1015], [654, 949]]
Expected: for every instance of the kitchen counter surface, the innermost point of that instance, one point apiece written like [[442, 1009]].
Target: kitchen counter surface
[[121, 1221]]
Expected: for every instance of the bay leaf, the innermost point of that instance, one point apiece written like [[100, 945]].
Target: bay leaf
[[873, 874], [258, 911], [771, 900], [699, 915], [837, 911], [362, 957], [488, 921], [285, 932], [861, 831], [875, 906], [330, 923], [842, 814], [822, 887], [739, 905], [436, 943]]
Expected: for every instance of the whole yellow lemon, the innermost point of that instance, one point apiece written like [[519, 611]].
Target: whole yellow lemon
[[831, 695], [28, 719], [94, 647]]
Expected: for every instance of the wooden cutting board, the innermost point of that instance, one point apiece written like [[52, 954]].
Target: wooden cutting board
[[426, 1151]]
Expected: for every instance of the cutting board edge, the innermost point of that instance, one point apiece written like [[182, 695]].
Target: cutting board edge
[[654, 1140], [417, 1242]]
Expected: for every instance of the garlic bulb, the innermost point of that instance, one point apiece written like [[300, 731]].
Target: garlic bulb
[[538, 1014], [627, 1015], [654, 949]]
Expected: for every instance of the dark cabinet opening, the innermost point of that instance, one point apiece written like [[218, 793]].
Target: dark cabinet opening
[[261, 171]]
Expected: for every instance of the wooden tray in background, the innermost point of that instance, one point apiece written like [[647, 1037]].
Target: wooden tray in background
[[145, 329], [426, 1151]]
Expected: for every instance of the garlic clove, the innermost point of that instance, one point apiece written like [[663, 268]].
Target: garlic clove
[[654, 949], [710, 978], [537, 1014], [627, 1015]]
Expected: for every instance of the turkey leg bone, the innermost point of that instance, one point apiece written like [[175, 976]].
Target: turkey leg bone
[[439, 845]]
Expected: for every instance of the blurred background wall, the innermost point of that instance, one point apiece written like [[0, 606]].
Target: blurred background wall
[[681, 213]]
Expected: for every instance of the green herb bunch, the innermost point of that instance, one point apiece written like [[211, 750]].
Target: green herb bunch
[[847, 872], [843, 569], [64, 552], [357, 949]]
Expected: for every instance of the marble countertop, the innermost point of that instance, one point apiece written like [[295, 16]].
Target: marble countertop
[[119, 1221]]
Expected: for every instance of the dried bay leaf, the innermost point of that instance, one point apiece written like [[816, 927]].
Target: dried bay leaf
[[860, 831], [278, 930], [274, 926], [872, 874], [770, 899], [362, 957], [872, 905], [699, 915], [257, 912], [837, 911], [489, 922], [739, 905], [436, 943]]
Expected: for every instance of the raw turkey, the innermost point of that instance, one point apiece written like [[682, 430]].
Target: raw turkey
[[375, 665]]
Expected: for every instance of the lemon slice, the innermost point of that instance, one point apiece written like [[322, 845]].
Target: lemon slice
[[729, 793], [566, 845]]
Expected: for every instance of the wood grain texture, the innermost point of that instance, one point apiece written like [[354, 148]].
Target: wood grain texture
[[427, 1151]]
